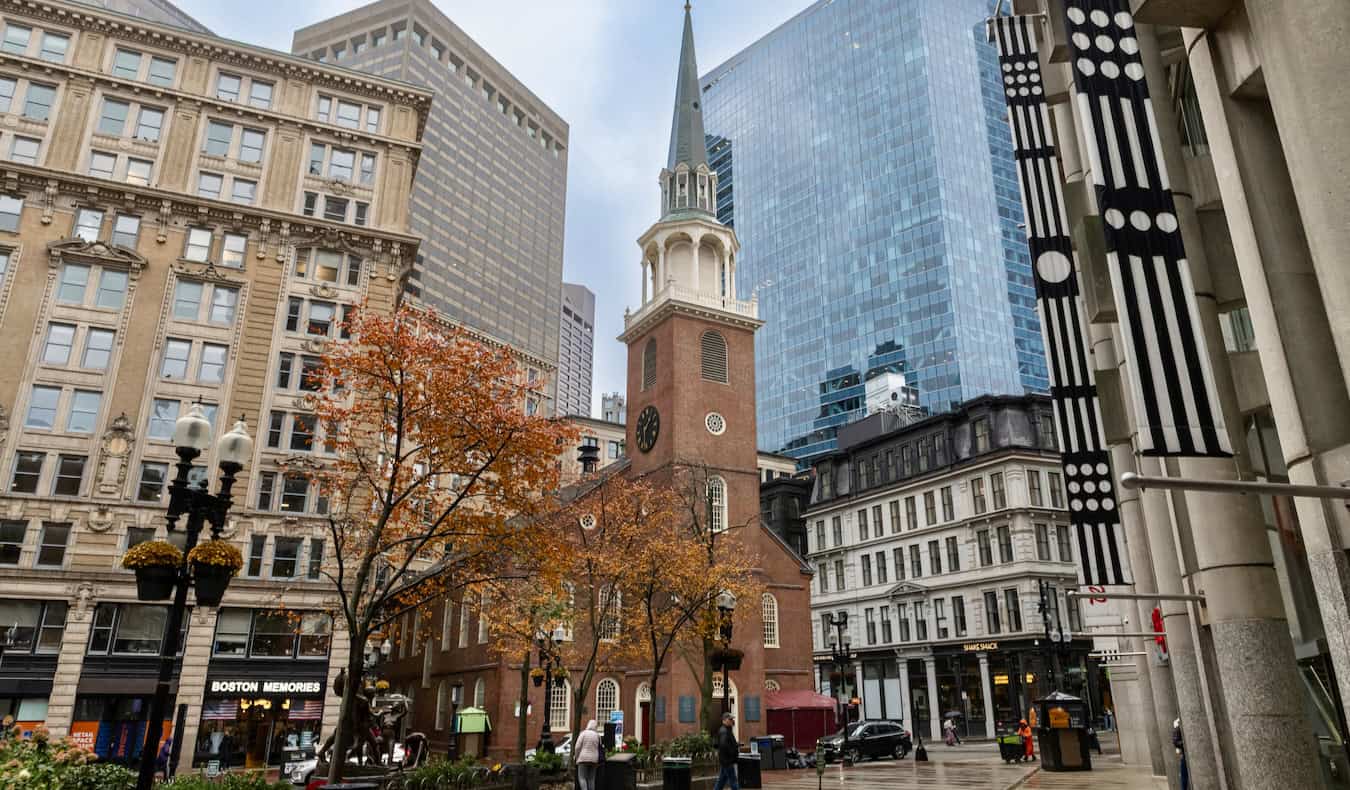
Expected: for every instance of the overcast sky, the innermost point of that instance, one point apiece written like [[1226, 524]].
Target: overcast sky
[[608, 68]]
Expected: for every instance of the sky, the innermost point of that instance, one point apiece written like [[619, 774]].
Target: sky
[[608, 68]]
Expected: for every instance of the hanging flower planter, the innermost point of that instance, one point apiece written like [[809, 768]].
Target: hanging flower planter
[[726, 657], [214, 563], [560, 673], [537, 677], [156, 565]]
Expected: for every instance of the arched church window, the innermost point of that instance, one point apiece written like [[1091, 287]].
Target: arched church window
[[714, 356], [717, 504], [649, 364]]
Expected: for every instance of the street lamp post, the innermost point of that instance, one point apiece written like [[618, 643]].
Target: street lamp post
[[1056, 638], [726, 608], [191, 437], [550, 660], [841, 644]]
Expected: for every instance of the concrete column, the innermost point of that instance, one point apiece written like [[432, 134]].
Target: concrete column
[[1267, 737], [696, 259], [1293, 333], [192, 680], [1156, 699], [1156, 703], [906, 700], [74, 642], [987, 689], [644, 281], [934, 705], [1304, 62], [662, 274]]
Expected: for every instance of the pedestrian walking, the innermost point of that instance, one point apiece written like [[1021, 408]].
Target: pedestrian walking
[[1110, 719], [586, 753], [728, 751], [949, 733], [1024, 730], [1180, 744]]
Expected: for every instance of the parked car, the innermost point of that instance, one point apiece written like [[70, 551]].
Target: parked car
[[868, 739]]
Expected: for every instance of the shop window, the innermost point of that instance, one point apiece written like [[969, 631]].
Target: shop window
[[273, 635], [130, 629], [232, 632], [33, 626]]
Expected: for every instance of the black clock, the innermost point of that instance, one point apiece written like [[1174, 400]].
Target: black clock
[[648, 428]]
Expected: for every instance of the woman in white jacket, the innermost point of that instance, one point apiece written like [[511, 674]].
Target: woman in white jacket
[[586, 751]]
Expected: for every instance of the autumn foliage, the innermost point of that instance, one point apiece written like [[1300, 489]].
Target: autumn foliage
[[437, 458]]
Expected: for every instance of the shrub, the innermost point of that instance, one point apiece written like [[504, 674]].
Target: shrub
[[230, 781], [546, 762], [218, 552], [437, 773], [152, 554]]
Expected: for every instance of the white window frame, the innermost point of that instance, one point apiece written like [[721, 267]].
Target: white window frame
[[769, 613]]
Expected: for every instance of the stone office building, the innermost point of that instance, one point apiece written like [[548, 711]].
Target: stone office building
[[932, 539], [159, 246]]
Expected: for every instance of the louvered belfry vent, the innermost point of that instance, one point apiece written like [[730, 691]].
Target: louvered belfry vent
[[714, 348], [649, 365]]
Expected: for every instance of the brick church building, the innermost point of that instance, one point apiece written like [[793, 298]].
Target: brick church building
[[691, 406]]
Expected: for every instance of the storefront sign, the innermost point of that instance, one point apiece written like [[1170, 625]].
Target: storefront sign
[[979, 647], [277, 687], [1059, 719], [1000, 680]]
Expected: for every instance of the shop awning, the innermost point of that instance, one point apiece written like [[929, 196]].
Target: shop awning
[[801, 699], [473, 720]]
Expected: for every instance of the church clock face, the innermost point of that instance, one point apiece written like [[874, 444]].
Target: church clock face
[[648, 428]]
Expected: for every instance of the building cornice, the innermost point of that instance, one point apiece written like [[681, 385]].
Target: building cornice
[[221, 50], [277, 230], [671, 307]]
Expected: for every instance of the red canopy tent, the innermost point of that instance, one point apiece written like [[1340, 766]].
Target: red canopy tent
[[800, 716]]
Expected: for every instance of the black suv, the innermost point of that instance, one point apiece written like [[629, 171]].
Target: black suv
[[868, 739]]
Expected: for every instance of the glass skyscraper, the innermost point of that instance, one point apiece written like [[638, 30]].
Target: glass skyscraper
[[866, 164]]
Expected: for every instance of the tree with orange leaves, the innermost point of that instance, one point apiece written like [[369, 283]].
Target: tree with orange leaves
[[437, 461], [678, 575], [527, 609]]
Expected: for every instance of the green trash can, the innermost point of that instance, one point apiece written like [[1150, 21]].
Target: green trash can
[[676, 773], [748, 770]]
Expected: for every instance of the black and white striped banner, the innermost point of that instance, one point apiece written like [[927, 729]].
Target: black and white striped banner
[[1172, 382], [1087, 464]]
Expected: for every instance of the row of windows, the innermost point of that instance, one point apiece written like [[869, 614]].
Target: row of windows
[[947, 617], [873, 568], [396, 33]]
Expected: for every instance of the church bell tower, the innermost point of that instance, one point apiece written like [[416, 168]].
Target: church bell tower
[[691, 353]]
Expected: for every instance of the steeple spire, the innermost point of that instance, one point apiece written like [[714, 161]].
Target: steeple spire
[[686, 129]]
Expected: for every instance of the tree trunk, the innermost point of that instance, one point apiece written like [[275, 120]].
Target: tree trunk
[[522, 730], [650, 731], [344, 732]]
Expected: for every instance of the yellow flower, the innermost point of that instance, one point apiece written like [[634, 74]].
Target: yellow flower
[[218, 552], [152, 554]]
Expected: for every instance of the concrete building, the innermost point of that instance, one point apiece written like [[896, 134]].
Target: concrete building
[[490, 193], [1250, 120], [576, 349], [932, 539], [156, 253], [872, 201], [613, 407]]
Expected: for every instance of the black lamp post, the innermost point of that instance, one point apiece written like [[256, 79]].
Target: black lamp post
[[550, 660], [841, 651], [726, 609], [191, 437], [1056, 638]]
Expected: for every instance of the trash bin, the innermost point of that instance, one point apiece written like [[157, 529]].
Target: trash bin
[[617, 773], [763, 744], [675, 773], [1063, 733], [779, 753], [748, 770]]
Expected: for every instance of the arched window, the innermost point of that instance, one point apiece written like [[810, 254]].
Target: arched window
[[772, 685], [442, 704], [560, 700], [714, 351], [717, 504], [649, 364], [606, 698], [770, 607], [731, 698], [479, 693]]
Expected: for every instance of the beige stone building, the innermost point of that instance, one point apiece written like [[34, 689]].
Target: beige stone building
[[182, 218]]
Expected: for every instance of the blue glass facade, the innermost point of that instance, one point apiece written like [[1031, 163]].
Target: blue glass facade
[[865, 163]]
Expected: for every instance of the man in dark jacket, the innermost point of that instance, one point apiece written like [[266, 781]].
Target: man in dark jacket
[[727, 752]]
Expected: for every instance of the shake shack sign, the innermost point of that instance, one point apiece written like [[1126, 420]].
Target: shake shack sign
[[266, 688]]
